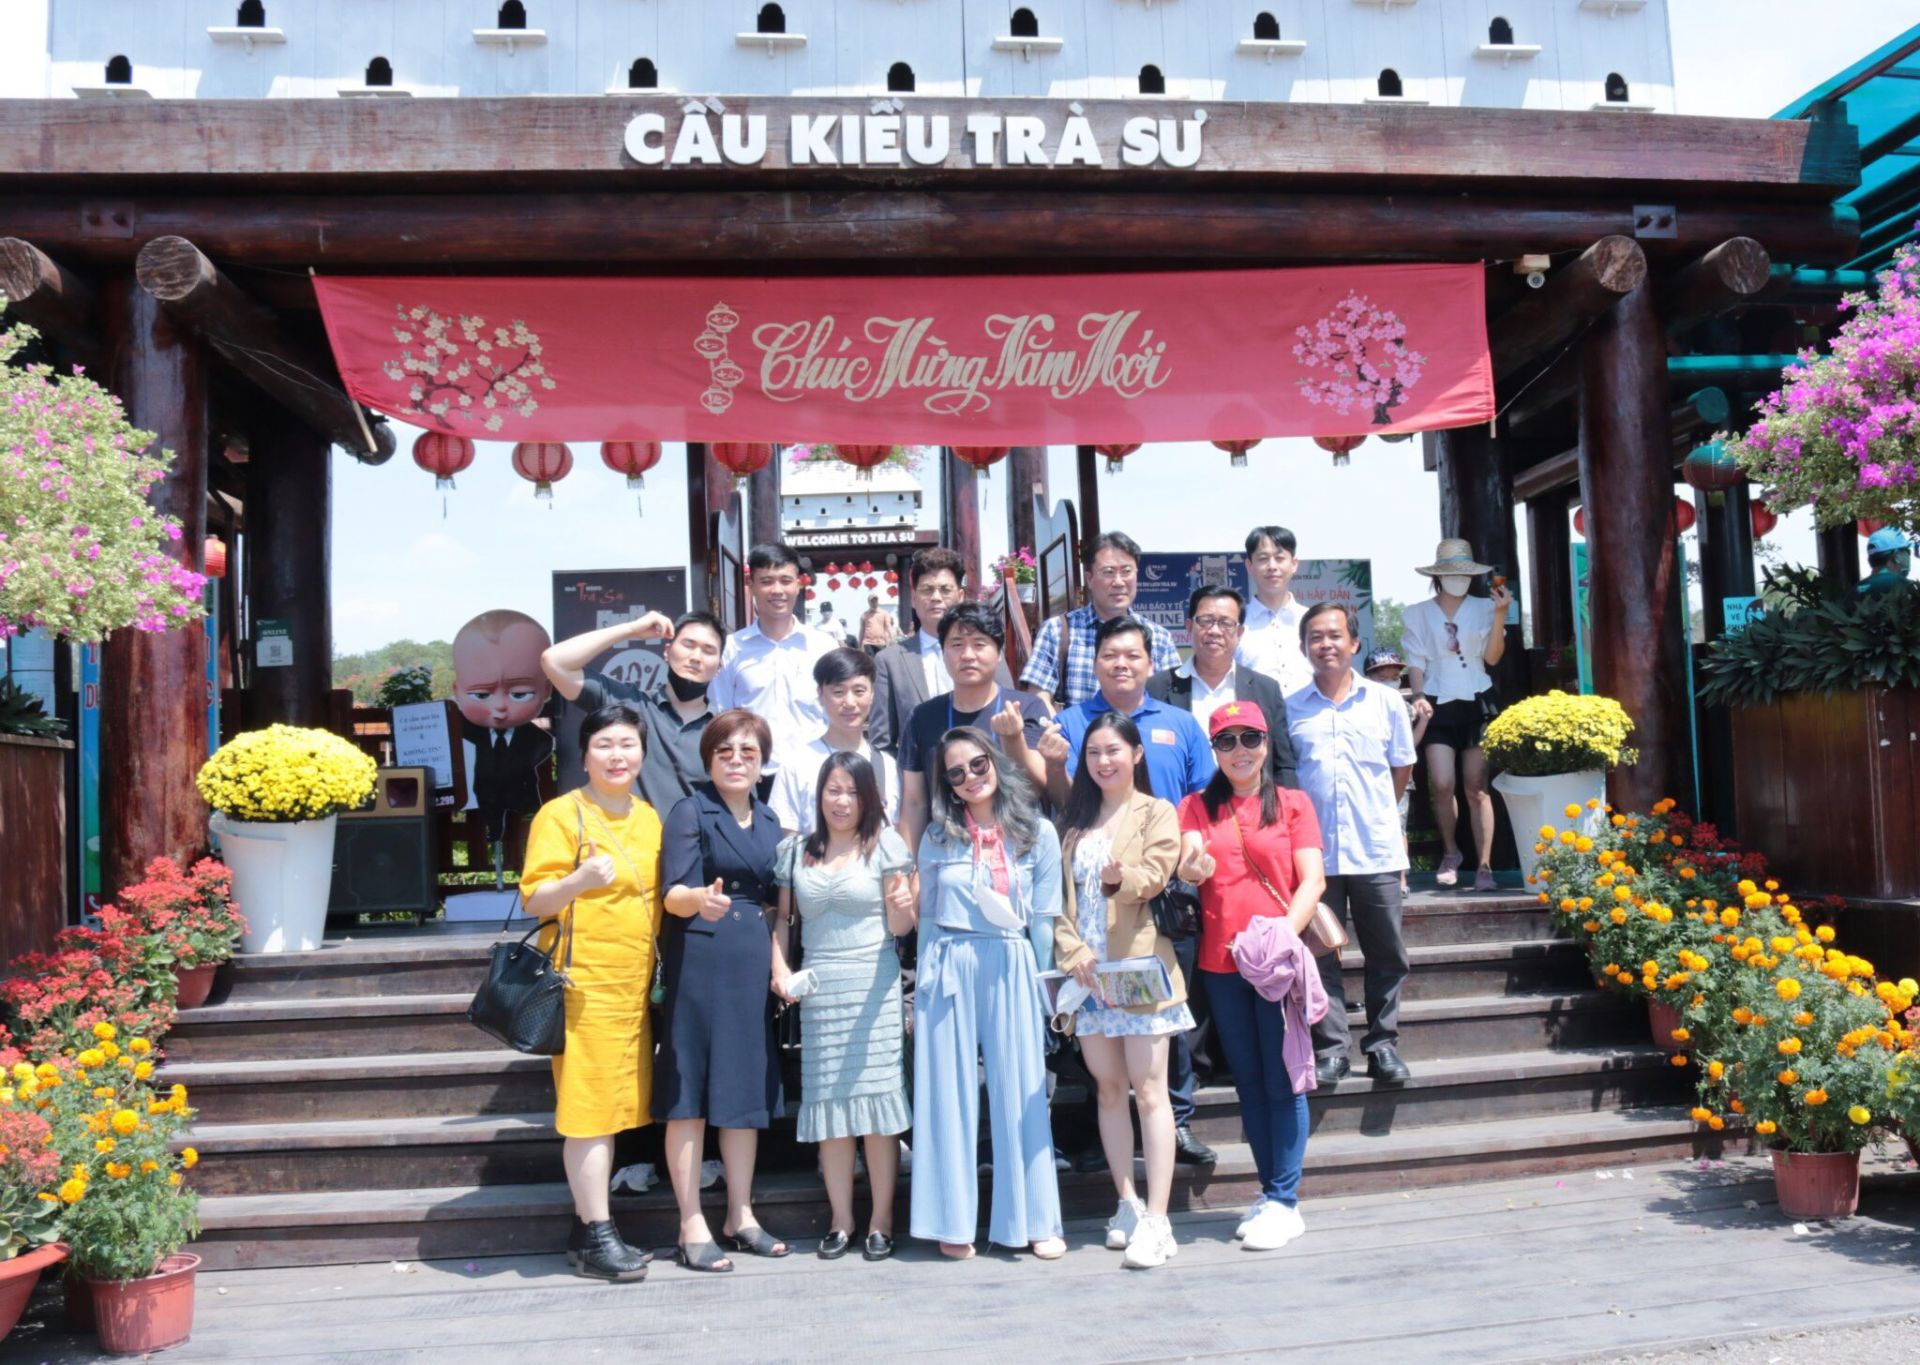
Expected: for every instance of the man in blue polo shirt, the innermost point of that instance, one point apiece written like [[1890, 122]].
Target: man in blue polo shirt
[[1179, 759]]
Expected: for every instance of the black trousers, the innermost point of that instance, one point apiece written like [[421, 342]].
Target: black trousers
[[1369, 905]]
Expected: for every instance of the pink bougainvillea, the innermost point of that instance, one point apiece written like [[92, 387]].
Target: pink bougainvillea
[[1364, 352]]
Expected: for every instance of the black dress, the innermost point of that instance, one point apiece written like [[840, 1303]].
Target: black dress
[[717, 1057]]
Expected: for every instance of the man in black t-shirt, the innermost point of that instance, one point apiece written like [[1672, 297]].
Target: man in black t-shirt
[[972, 640]]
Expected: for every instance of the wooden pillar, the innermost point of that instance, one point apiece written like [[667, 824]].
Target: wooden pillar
[[1838, 553], [153, 687], [1476, 504], [1026, 479], [288, 571], [1550, 538], [959, 519], [1626, 488], [1726, 570], [1087, 495], [763, 502]]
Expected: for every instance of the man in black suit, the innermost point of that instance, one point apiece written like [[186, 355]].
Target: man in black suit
[[914, 670], [1211, 679]]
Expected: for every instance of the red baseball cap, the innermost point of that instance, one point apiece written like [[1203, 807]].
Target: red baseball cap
[[1237, 715]]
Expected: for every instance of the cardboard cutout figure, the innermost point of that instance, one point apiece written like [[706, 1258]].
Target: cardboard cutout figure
[[500, 690]]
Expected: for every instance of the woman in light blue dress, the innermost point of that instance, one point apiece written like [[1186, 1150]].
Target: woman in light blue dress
[[989, 893], [849, 881]]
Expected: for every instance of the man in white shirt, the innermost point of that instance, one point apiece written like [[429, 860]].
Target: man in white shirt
[[1270, 643], [914, 670], [845, 680], [768, 667]]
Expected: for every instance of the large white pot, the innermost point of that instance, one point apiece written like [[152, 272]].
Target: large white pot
[[281, 877], [1536, 801]]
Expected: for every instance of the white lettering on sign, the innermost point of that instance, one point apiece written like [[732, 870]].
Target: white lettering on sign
[[984, 140]]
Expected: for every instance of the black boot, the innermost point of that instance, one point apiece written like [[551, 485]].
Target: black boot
[[603, 1256], [576, 1241]]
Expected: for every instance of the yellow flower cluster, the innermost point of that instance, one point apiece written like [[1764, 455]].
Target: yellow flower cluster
[[1559, 733], [284, 773]]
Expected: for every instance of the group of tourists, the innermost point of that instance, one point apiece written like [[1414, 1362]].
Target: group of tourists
[[1122, 852]]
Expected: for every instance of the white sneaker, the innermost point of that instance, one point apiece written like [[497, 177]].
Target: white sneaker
[[1125, 1222], [1274, 1228], [635, 1179], [1248, 1218], [1152, 1244]]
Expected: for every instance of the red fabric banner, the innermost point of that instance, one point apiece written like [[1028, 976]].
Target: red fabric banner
[[962, 360]]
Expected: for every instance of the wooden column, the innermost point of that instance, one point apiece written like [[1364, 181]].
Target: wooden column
[[153, 687], [1838, 554], [1087, 471], [288, 571], [1626, 488], [1476, 504], [763, 502], [959, 520], [1026, 478], [1726, 570], [1551, 597]]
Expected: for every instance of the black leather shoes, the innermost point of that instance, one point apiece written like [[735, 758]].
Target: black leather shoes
[[1091, 1161], [834, 1245], [1332, 1070], [879, 1246], [603, 1256], [1189, 1150], [1384, 1065]]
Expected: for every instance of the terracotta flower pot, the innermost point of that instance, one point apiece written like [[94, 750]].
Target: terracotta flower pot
[[1816, 1184], [196, 984], [18, 1277], [1663, 1019], [147, 1314]]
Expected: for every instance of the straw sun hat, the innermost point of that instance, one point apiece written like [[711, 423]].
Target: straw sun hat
[[1454, 557]]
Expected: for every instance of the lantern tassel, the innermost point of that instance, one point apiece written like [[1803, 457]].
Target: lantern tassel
[[1341, 459], [636, 482], [1237, 460]]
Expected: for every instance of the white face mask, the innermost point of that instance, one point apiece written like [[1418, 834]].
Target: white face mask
[[1455, 584]]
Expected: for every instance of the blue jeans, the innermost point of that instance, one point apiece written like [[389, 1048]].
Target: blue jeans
[[1251, 1030]]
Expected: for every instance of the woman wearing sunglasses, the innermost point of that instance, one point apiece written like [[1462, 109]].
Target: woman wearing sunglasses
[[718, 1064], [989, 893], [1254, 850], [849, 882], [1120, 846]]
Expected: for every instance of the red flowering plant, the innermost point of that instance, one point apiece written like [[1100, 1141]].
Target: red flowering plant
[[29, 1172], [182, 919], [55, 999]]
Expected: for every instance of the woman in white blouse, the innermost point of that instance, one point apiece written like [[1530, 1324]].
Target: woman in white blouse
[[1450, 643]]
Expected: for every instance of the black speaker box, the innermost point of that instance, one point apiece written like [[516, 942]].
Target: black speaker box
[[381, 865]]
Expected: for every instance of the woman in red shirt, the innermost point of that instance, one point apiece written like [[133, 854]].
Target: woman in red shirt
[[1253, 849]]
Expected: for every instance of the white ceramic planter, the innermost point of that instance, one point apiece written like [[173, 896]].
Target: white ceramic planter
[[1536, 801], [282, 874]]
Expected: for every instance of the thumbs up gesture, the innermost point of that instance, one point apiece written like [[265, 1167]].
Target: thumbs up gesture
[[596, 868], [716, 903], [899, 897]]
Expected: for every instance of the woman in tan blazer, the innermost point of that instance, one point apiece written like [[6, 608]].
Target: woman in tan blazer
[[1119, 847]]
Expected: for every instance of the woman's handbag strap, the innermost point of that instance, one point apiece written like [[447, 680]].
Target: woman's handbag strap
[[566, 915]]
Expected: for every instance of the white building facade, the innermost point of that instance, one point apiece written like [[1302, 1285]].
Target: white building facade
[[1535, 54]]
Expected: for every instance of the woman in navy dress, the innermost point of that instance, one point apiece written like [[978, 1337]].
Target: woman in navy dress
[[718, 1064]]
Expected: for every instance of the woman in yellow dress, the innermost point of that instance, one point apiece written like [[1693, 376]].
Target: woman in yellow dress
[[597, 850]]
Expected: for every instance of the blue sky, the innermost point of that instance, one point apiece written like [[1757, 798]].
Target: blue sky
[[400, 570]]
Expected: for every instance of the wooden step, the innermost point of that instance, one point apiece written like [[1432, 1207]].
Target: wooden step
[[393, 1085], [344, 1027], [1495, 967], [1486, 1025], [328, 1227], [424, 965], [1474, 919], [373, 1154]]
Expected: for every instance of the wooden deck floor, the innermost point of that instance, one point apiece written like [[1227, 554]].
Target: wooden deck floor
[[1549, 1268]]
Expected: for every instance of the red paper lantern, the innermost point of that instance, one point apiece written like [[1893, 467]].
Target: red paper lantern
[[543, 464], [634, 459], [1237, 451], [893, 592], [1340, 447], [1115, 454], [872, 582], [807, 593], [833, 568], [833, 585], [864, 459], [215, 551], [1580, 521], [892, 577], [1762, 519], [442, 456], [866, 566], [742, 457], [982, 458], [1867, 525], [1683, 516]]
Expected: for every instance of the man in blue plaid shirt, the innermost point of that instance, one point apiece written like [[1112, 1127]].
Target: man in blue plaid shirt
[[1112, 564]]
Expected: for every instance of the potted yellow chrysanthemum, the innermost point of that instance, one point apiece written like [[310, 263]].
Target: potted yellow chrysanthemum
[[1550, 756], [275, 794]]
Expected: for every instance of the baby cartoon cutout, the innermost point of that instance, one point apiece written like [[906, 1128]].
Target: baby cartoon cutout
[[500, 691]]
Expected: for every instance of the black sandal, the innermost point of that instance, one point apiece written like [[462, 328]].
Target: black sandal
[[709, 1259], [755, 1241], [834, 1245]]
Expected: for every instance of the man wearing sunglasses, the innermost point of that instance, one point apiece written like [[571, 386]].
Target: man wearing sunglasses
[[1213, 677]]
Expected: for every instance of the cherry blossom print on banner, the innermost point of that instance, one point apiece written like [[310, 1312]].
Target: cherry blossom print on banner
[[1107, 359]]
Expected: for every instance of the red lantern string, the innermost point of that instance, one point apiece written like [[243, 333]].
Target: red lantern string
[[632, 458], [1762, 518], [864, 459], [1237, 451], [1683, 516], [442, 456], [214, 552], [742, 457], [1867, 525], [1340, 447], [543, 464], [982, 458], [1115, 454], [1580, 521]]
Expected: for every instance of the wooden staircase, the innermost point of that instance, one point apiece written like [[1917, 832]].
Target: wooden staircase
[[348, 1111]]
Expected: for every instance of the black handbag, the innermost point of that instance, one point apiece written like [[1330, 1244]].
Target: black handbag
[[523, 1001], [1176, 911]]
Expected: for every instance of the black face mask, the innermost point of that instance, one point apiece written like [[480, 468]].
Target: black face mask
[[685, 689]]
